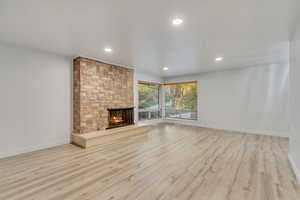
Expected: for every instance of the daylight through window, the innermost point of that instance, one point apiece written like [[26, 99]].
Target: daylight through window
[[149, 106], [181, 100]]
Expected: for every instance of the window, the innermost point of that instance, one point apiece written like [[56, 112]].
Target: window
[[181, 100], [149, 107]]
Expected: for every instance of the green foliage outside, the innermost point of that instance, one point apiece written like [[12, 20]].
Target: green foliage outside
[[181, 96], [148, 96]]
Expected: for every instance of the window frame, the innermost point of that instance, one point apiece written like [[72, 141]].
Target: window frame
[[159, 99], [181, 118]]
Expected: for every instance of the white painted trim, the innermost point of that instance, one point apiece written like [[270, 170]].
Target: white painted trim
[[295, 168], [35, 148], [157, 121], [150, 122], [197, 123]]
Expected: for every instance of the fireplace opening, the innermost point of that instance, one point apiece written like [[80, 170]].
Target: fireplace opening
[[118, 117]]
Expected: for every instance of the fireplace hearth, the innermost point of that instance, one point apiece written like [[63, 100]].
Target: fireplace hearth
[[118, 117]]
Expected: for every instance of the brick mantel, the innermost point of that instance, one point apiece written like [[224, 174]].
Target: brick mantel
[[98, 86]]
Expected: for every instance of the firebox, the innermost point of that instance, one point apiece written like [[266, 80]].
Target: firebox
[[118, 117]]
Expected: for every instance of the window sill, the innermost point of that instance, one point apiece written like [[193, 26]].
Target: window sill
[[177, 118]]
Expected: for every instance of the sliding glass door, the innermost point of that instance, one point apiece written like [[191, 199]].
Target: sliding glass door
[[181, 100], [149, 105]]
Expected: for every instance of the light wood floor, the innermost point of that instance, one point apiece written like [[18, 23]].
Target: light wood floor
[[174, 162]]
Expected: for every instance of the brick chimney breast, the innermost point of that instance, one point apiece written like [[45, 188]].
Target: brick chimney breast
[[98, 86]]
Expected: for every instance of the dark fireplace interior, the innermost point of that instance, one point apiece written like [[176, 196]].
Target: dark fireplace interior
[[118, 117]]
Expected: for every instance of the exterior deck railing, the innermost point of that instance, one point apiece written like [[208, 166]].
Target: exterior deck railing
[[148, 114], [181, 113]]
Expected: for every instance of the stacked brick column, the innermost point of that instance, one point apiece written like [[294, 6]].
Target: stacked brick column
[[98, 86]]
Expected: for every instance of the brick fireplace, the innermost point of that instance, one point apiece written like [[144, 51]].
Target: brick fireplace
[[98, 88], [118, 117]]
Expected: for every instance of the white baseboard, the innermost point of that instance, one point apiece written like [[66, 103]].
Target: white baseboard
[[199, 124], [295, 169], [179, 121], [149, 122], [34, 148]]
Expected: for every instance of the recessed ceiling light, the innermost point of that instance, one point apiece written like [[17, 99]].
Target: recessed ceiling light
[[177, 21], [165, 68], [108, 49], [219, 59]]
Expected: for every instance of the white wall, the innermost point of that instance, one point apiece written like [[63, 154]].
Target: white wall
[[35, 102], [36, 99], [140, 76], [295, 97], [253, 99]]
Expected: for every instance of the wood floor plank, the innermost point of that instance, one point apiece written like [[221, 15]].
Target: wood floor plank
[[174, 162]]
